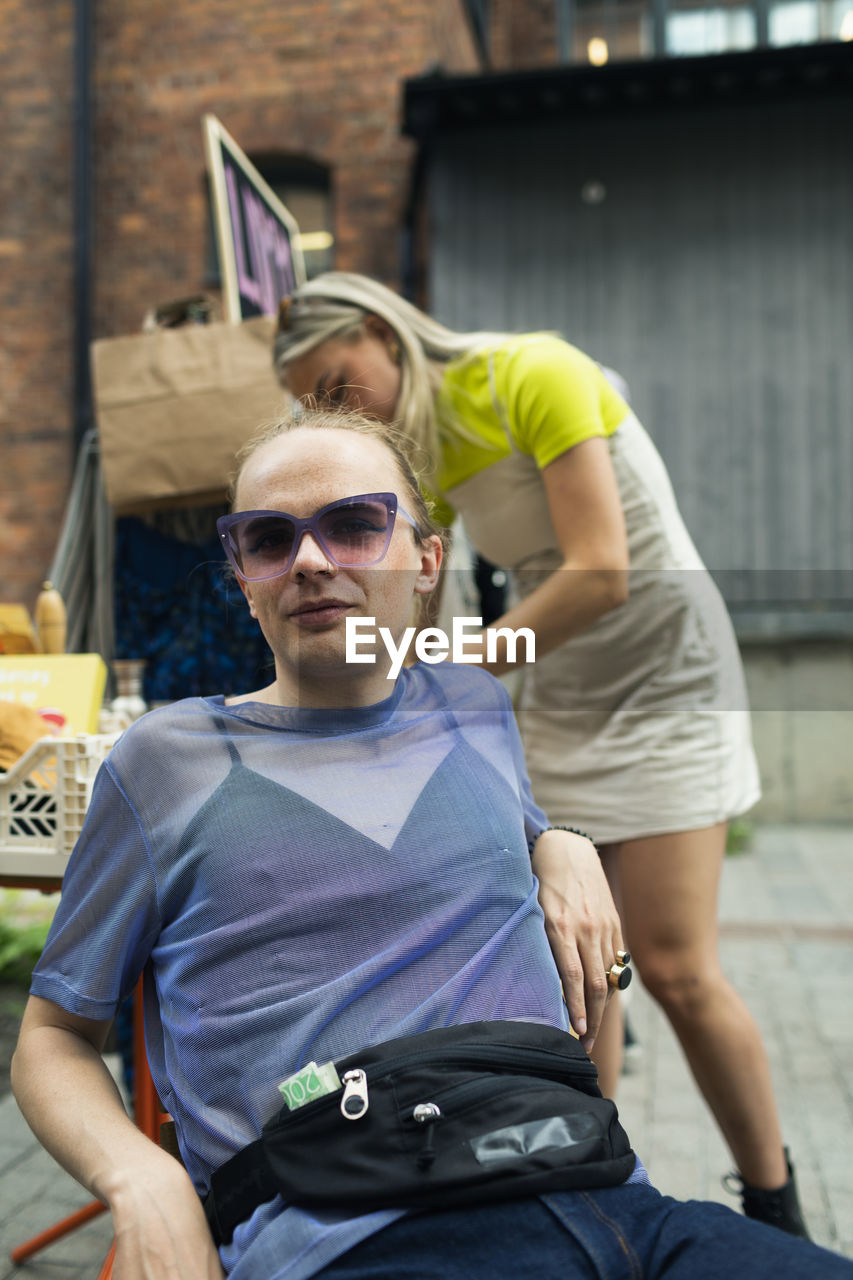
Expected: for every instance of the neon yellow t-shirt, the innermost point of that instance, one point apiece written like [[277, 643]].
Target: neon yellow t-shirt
[[547, 393]]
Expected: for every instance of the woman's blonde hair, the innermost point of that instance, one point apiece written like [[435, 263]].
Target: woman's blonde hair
[[336, 304]]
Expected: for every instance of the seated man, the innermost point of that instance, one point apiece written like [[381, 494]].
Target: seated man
[[328, 863]]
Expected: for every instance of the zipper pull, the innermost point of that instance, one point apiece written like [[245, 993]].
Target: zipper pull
[[427, 1113], [355, 1102]]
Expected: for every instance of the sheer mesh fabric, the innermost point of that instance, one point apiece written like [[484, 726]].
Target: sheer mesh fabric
[[303, 882]]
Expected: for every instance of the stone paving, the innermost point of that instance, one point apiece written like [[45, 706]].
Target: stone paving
[[787, 943]]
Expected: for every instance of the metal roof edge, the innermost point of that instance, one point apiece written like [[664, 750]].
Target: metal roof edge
[[437, 103]]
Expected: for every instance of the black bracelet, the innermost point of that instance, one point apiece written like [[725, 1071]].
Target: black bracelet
[[575, 831]]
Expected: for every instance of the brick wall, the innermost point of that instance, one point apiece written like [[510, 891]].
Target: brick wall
[[523, 34], [320, 78], [315, 77], [35, 287]]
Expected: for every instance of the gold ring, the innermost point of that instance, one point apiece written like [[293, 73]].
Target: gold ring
[[623, 957], [619, 976]]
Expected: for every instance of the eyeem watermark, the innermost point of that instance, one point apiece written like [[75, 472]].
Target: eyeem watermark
[[433, 645]]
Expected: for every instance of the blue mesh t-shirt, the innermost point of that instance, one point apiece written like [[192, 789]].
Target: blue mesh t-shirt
[[303, 883]]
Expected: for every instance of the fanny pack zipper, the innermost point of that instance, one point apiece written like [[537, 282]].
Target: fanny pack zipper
[[456, 1095], [538, 1061], [356, 1080]]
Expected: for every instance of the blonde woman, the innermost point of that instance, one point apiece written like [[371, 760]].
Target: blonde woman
[[634, 715]]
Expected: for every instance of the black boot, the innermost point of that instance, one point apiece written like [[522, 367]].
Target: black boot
[[778, 1208]]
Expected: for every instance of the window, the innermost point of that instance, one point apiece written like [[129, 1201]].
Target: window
[[602, 31], [606, 32], [698, 31], [304, 186], [793, 23]]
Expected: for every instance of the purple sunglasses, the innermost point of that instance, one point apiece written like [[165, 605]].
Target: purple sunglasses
[[352, 532]]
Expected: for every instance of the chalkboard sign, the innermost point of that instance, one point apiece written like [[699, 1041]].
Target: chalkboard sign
[[258, 238]]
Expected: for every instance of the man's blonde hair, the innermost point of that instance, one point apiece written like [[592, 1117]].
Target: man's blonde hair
[[332, 419]]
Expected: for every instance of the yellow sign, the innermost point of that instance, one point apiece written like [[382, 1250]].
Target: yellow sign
[[66, 689]]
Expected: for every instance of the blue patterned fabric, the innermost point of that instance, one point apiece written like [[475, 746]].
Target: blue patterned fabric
[[303, 883], [178, 606]]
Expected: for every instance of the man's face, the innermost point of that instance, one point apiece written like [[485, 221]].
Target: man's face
[[303, 612]]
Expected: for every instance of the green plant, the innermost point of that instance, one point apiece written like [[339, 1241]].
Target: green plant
[[739, 839], [20, 947]]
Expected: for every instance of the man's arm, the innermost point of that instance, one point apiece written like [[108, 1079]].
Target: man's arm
[[71, 1103], [581, 922]]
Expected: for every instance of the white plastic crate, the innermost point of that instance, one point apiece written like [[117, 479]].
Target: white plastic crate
[[43, 801]]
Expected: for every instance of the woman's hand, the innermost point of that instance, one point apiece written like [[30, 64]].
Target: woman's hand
[[160, 1228], [581, 922]]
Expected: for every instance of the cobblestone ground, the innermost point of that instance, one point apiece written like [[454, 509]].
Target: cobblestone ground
[[787, 945]]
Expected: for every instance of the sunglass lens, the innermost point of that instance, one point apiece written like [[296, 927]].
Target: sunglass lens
[[263, 545], [357, 533]]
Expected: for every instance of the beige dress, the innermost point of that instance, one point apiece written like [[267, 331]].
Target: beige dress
[[640, 725]]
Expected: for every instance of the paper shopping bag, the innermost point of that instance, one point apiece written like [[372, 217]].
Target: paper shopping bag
[[174, 405]]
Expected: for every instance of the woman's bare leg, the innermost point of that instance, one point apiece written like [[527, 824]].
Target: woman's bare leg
[[668, 888], [607, 1052], [609, 1044]]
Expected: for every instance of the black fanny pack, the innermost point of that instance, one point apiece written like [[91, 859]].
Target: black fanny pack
[[461, 1115]]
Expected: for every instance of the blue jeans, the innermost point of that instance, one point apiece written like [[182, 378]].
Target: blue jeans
[[621, 1233]]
